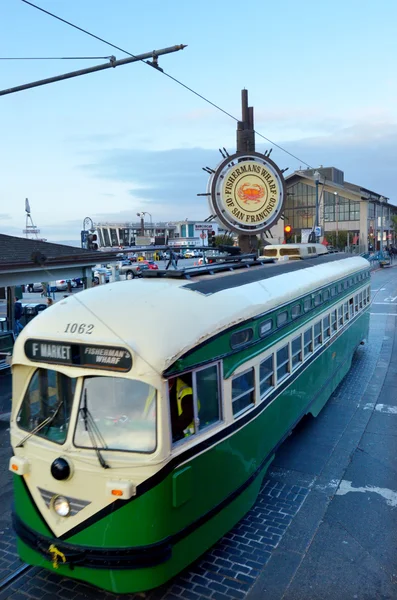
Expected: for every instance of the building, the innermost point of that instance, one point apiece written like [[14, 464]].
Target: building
[[178, 233], [349, 215]]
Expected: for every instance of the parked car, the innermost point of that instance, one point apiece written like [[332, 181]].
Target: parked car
[[150, 264], [125, 267], [60, 285]]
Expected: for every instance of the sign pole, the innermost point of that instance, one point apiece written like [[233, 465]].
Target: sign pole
[[245, 143]]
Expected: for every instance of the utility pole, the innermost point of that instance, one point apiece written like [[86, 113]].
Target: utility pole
[[246, 143], [154, 54]]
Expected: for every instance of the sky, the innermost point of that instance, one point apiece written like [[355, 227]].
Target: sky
[[320, 75]]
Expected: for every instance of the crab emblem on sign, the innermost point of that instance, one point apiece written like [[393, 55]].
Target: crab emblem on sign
[[250, 192]]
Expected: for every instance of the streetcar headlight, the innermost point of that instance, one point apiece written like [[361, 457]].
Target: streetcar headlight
[[61, 506]]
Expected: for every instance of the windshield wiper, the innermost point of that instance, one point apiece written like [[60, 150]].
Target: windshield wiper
[[41, 425], [93, 431]]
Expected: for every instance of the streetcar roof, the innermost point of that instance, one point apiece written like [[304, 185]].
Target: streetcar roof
[[161, 319]]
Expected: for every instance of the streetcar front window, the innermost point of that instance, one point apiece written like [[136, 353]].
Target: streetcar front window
[[47, 404], [117, 414]]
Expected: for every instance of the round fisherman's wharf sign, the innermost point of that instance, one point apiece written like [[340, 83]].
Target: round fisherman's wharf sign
[[247, 192]]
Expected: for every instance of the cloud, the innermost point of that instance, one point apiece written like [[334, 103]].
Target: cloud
[[166, 183]]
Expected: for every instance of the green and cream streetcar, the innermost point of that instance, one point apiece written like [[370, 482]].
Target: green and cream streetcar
[[145, 413]]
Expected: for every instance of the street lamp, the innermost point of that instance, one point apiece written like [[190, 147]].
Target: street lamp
[[317, 180], [336, 219], [142, 217], [381, 200]]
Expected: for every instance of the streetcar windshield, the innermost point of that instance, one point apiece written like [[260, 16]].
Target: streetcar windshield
[[123, 414], [46, 407]]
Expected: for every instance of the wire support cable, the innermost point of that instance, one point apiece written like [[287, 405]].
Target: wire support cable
[[164, 73]]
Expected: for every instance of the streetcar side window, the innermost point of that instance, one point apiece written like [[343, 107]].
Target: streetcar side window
[[265, 327], [240, 338], [317, 299], [207, 396], [266, 376], [325, 295], [243, 391], [296, 311], [282, 318], [360, 299], [49, 396], [282, 363], [195, 401], [307, 342], [307, 304], [356, 303], [340, 315], [296, 351], [317, 334], [334, 320], [368, 294], [346, 310], [351, 308], [326, 327]]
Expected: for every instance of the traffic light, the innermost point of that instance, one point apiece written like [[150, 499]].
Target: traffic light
[[211, 238], [287, 232], [92, 241]]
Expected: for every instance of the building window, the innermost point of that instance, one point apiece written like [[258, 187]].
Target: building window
[[296, 351], [183, 231], [243, 391], [307, 342], [266, 376], [190, 231], [282, 363]]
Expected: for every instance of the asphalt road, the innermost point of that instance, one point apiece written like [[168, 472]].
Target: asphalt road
[[324, 526]]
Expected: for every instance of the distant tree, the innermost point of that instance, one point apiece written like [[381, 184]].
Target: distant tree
[[226, 239], [394, 221]]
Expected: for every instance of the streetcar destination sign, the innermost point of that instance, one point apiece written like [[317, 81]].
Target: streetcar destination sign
[[79, 355]]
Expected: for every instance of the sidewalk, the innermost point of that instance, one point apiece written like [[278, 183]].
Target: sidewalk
[[342, 543]]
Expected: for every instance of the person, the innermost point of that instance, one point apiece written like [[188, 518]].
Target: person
[[18, 312], [182, 411], [173, 260], [50, 302]]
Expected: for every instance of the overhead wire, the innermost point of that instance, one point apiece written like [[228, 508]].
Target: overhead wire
[[164, 73], [54, 57]]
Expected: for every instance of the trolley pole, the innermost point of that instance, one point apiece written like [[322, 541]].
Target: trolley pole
[[246, 143], [154, 54]]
